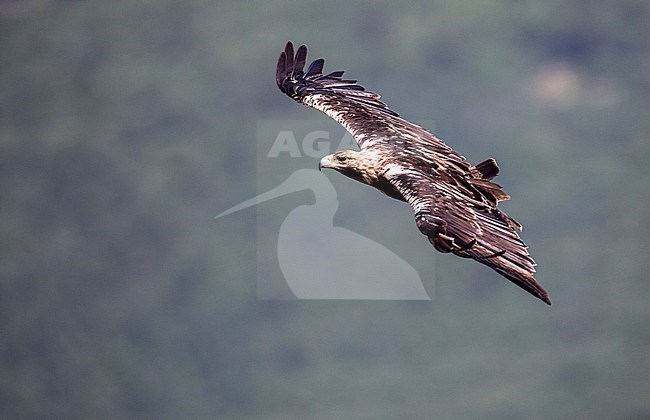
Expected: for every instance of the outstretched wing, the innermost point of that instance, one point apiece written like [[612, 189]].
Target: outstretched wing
[[470, 227], [370, 121]]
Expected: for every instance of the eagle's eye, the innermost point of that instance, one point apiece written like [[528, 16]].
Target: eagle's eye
[[341, 158]]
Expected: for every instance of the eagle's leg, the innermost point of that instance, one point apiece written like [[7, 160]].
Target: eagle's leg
[[442, 243], [467, 246]]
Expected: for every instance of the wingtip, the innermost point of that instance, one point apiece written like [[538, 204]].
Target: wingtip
[[538, 291], [288, 48], [542, 294], [290, 64]]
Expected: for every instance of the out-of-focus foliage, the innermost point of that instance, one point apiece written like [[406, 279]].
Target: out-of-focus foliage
[[125, 126]]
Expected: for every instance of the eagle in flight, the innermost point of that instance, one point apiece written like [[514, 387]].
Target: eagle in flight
[[455, 203]]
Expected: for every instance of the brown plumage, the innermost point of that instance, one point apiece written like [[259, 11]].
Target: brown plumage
[[455, 204]]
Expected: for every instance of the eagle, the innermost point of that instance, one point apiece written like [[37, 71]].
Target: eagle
[[454, 202]]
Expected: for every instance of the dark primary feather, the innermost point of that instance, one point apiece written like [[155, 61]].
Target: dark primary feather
[[315, 68], [454, 203], [301, 59]]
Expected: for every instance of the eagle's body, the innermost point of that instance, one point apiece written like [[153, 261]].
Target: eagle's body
[[455, 204]]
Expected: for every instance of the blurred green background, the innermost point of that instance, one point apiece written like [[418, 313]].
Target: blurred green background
[[125, 126]]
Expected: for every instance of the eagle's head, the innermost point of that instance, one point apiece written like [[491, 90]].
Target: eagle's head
[[356, 165]]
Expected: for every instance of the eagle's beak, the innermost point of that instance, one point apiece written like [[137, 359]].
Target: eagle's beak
[[325, 162]]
